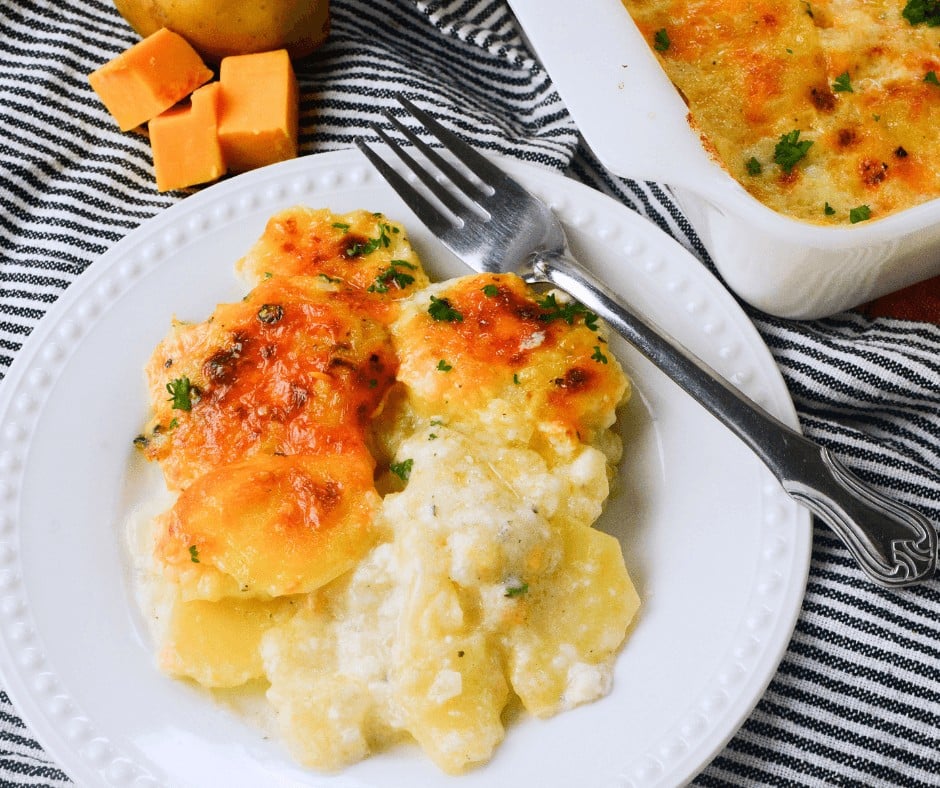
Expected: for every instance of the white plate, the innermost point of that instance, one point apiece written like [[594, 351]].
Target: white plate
[[719, 554]]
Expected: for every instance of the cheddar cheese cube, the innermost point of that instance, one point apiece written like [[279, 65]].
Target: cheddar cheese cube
[[149, 78], [185, 142], [258, 109]]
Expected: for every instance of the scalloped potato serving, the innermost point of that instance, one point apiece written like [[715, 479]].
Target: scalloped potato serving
[[384, 493]]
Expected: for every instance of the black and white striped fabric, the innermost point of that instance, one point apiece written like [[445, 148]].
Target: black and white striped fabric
[[856, 700]]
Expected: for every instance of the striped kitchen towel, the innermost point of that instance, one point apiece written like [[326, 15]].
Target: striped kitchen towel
[[856, 700]]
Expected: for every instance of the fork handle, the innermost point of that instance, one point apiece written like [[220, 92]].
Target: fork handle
[[894, 544]]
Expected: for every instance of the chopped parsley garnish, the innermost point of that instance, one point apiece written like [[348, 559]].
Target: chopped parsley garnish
[[598, 355], [490, 290], [362, 249], [328, 278], [859, 214], [341, 226], [753, 166], [440, 309], [402, 469], [181, 393], [829, 210], [568, 311], [931, 78], [790, 149], [392, 275], [661, 40], [517, 589], [922, 12], [843, 83], [443, 366], [193, 554]]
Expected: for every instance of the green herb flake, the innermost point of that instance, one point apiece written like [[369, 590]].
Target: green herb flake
[[441, 310], [661, 40], [490, 290], [363, 249], [598, 356], [341, 226], [931, 78], [829, 210], [517, 589], [402, 469], [753, 166], [860, 214], [790, 149], [193, 554], [925, 12], [568, 311], [392, 275], [443, 366], [843, 83], [181, 393]]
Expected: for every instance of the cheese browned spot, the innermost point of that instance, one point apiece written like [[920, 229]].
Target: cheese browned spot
[[853, 78]]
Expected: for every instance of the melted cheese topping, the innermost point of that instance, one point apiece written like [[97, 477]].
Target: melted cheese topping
[[384, 498], [297, 364], [852, 78]]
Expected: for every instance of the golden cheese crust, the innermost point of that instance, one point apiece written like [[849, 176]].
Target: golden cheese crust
[[489, 339], [297, 364], [763, 77], [271, 525], [366, 251]]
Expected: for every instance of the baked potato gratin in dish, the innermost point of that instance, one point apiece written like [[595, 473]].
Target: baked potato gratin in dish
[[824, 110], [384, 496]]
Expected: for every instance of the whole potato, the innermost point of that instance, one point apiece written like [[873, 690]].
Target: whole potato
[[218, 28]]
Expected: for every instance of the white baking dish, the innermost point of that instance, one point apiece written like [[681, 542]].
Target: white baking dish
[[636, 124]]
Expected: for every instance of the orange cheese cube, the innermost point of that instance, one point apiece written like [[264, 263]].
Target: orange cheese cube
[[185, 142], [258, 109], [149, 78]]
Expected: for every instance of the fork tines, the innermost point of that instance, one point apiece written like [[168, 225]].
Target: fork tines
[[476, 164]]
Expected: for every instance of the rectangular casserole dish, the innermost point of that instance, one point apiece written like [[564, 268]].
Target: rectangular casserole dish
[[635, 122]]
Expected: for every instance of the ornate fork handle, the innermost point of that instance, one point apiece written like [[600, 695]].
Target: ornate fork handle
[[894, 544]]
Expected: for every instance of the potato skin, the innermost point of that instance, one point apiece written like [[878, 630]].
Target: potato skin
[[218, 28]]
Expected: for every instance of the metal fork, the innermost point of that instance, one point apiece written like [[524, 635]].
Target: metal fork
[[495, 225]]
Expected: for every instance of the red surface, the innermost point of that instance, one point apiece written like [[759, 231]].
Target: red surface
[[917, 302]]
